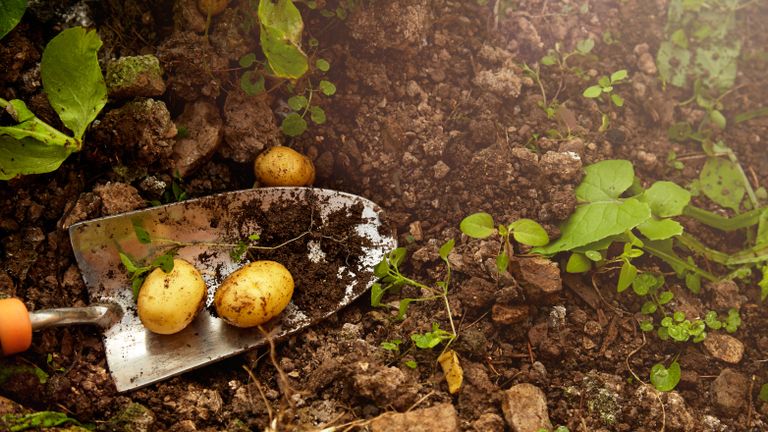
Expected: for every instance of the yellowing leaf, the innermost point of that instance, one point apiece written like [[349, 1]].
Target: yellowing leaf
[[454, 374]]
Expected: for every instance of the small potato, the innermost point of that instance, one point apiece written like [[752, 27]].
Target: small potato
[[168, 302], [283, 166], [215, 7], [254, 294]]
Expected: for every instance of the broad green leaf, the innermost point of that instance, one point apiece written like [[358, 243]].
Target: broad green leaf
[[584, 46], [673, 63], [679, 38], [666, 297], [377, 292], [594, 222], [718, 119], [297, 102], [478, 225], [678, 316], [502, 262], [293, 125], [165, 262], [11, 12], [626, 276], [648, 308], [327, 87], [529, 232], [646, 325], [29, 156], [283, 17], [717, 65], [693, 282], [286, 59], [656, 229], [605, 180], [250, 86], [72, 78], [721, 181], [594, 255], [397, 256], [666, 199], [617, 100], [665, 379], [141, 233], [644, 283], [317, 114], [619, 75], [381, 269], [578, 263], [446, 249], [593, 91], [604, 82]]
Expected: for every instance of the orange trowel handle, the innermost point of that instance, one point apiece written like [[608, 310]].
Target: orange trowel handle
[[15, 327]]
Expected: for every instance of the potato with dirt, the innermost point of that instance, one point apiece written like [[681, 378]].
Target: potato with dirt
[[283, 166], [214, 7], [254, 294], [168, 302]]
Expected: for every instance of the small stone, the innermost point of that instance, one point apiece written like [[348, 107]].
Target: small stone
[[725, 295], [119, 198], [647, 64], [441, 170], [588, 343], [592, 328], [729, 392], [509, 315], [539, 277], [488, 422], [724, 347], [416, 231], [249, 127], [525, 408], [380, 385], [139, 76], [565, 166], [200, 134], [438, 418], [556, 319], [502, 82], [476, 294]]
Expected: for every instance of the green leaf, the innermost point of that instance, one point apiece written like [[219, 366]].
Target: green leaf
[[617, 100], [763, 284], [130, 267], [297, 102], [718, 119], [411, 364], [11, 12], [605, 181], [377, 292], [322, 65], [293, 125], [619, 75], [594, 255], [693, 282], [721, 181], [646, 325], [283, 17], [247, 60], [679, 38], [762, 228], [666, 297], [594, 222], [645, 283], [584, 46], [678, 316], [626, 276], [763, 396], [393, 345], [548, 60], [141, 233], [656, 229], [327, 87], [648, 308], [578, 263], [285, 57], [710, 319], [251, 87], [72, 78], [664, 379], [397, 256], [592, 91], [29, 156], [37, 420], [165, 262], [136, 286], [529, 232], [317, 114], [604, 82], [666, 199], [478, 225], [502, 262], [673, 63], [446, 249]]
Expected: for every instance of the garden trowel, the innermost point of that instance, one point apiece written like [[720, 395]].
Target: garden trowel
[[137, 357]]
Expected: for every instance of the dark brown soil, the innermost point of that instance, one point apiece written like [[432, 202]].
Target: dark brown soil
[[434, 119]]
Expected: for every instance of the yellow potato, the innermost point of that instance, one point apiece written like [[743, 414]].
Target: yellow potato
[[283, 166], [215, 7], [168, 302], [254, 294]]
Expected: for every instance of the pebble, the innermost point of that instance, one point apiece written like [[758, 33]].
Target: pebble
[[539, 277], [729, 392], [205, 134], [438, 418], [724, 347], [488, 422], [525, 408], [509, 315]]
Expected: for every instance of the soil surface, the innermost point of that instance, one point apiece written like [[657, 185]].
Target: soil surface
[[434, 118]]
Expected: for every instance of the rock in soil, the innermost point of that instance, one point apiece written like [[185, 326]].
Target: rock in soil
[[725, 295], [203, 135], [724, 347], [249, 127], [729, 392], [539, 277], [139, 76], [438, 418], [188, 61], [525, 408], [118, 198], [677, 415], [400, 24], [488, 422]]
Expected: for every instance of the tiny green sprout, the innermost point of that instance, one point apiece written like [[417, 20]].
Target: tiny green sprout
[[524, 231], [605, 85], [392, 345], [433, 338], [665, 379], [411, 364]]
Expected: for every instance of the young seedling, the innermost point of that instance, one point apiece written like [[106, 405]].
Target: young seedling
[[559, 58], [665, 379], [524, 231], [75, 88], [604, 88]]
